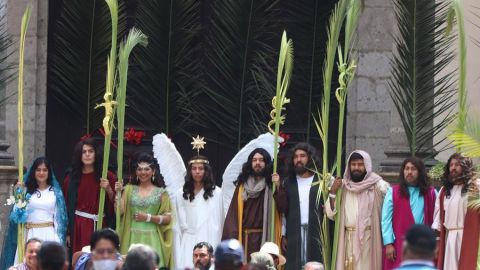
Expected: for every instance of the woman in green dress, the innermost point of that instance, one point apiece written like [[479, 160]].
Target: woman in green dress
[[146, 211]]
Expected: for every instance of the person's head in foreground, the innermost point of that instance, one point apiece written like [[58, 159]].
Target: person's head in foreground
[[31, 251], [202, 256], [272, 249], [313, 266], [419, 244], [262, 258], [52, 256], [141, 257], [105, 245], [229, 255]]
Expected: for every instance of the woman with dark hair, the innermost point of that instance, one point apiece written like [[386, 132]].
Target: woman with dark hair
[[82, 191], [146, 211], [46, 211], [199, 211], [410, 202]]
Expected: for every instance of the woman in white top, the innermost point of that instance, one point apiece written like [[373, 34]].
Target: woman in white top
[[46, 211]]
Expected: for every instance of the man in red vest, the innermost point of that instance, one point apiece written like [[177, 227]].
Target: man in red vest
[[410, 202]]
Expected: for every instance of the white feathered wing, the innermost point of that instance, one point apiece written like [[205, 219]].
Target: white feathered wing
[[265, 141], [171, 163]]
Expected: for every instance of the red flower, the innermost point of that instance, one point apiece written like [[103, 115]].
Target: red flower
[[134, 137], [285, 137]]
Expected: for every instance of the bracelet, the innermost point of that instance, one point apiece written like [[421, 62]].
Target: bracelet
[[149, 217], [160, 219], [333, 196]]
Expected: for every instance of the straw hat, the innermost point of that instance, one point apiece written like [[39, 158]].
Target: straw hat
[[272, 248]]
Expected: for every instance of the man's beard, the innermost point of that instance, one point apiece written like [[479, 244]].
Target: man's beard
[[199, 265], [357, 176], [454, 177], [300, 169], [259, 173]]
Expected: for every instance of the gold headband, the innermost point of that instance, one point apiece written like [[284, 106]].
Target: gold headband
[[198, 160]]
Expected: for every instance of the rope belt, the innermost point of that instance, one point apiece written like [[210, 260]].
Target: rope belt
[[352, 229], [30, 225], [89, 216], [454, 229], [248, 231]]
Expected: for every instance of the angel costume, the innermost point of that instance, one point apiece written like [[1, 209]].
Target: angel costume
[[47, 220], [199, 220]]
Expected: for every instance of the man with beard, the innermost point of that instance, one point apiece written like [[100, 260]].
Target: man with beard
[[249, 215], [203, 256], [453, 219], [359, 235], [296, 199], [410, 202]]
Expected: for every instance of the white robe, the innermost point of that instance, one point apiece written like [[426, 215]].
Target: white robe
[[197, 221], [455, 209], [41, 208]]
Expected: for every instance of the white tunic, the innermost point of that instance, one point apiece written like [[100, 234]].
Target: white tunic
[[455, 209], [41, 208], [199, 220]]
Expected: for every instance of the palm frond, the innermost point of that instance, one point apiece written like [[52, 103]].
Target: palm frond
[[305, 20], [134, 38], [167, 75], [421, 55], [239, 55], [455, 16], [468, 139], [77, 66]]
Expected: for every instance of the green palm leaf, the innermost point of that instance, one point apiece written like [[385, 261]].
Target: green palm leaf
[[77, 67], [165, 82], [239, 56], [422, 55], [468, 139]]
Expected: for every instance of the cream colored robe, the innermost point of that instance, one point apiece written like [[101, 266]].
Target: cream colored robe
[[370, 254]]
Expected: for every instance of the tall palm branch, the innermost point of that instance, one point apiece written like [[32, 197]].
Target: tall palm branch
[[166, 79], [240, 56], [76, 72], [420, 87], [305, 21]]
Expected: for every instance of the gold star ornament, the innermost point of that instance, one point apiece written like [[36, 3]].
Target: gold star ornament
[[198, 143]]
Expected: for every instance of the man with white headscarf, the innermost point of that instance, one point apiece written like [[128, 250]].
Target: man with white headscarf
[[359, 231]]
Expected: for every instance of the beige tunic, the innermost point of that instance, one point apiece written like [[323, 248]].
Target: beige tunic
[[455, 210], [351, 214]]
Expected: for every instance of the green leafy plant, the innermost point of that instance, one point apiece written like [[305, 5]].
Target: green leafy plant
[[76, 69], [134, 38], [167, 76], [238, 54], [422, 54]]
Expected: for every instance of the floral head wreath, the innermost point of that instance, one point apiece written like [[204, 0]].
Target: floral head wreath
[[197, 144]]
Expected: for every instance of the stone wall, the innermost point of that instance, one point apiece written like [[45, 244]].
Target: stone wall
[[35, 78], [369, 106]]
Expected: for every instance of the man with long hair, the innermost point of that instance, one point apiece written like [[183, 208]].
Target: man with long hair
[[296, 199], [199, 211], [410, 202], [359, 229], [248, 216], [453, 220], [82, 192]]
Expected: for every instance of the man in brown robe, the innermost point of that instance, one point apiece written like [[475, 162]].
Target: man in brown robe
[[458, 226], [248, 216]]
